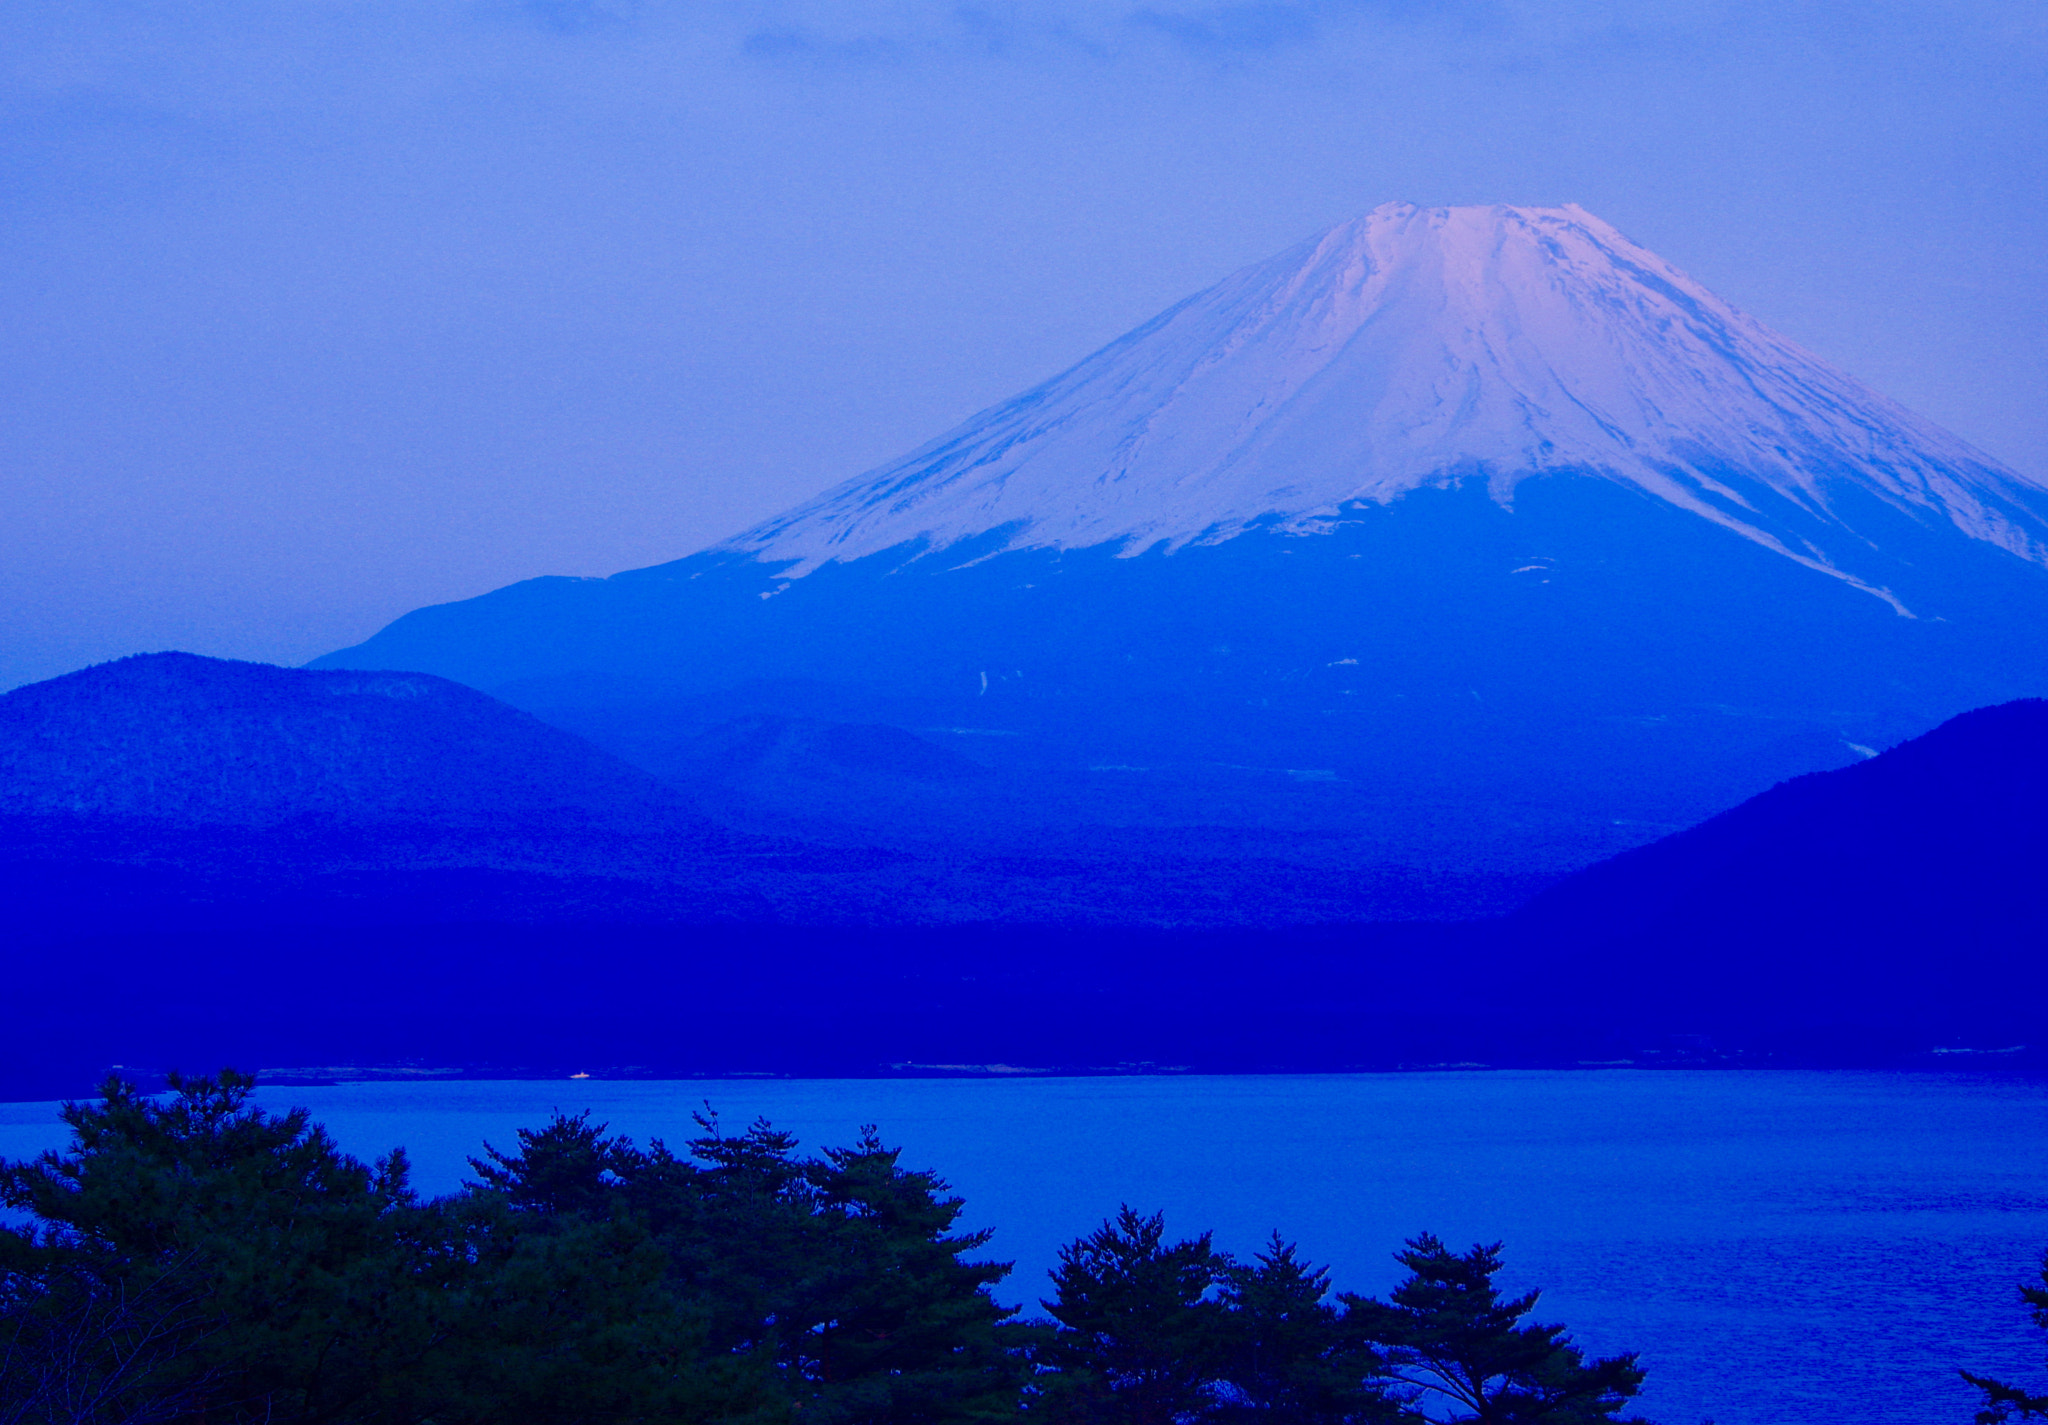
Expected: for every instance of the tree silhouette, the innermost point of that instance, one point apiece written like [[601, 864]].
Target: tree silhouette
[[1466, 1357], [2004, 1402]]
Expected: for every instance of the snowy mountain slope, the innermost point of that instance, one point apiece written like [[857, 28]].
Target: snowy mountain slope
[[1416, 347], [1477, 539]]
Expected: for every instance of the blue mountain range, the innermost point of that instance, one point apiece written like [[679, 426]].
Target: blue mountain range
[[1460, 638]]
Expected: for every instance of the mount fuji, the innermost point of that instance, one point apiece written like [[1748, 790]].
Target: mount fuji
[[1418, 348], [1478, 539]]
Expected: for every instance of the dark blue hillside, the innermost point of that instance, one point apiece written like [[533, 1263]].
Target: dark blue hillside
[[1870, 915], [1446, 681], [1908, 892], [180, 739], [311, 796]]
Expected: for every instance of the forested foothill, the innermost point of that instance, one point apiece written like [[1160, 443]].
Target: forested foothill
[[492, 895], [192, 1257]]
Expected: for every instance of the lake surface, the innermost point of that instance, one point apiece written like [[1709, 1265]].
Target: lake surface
[[1782, 1247]]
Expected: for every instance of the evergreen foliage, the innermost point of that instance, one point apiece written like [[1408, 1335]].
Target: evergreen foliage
[[1297, 1354], [194, 1258], [193, 1254], [2003, 1402], [1141, 1332], [1464, 1356]]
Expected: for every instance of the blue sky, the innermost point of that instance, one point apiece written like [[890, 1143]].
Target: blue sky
[[311, 313]]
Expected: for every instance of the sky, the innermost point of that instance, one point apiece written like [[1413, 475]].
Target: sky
[[312, 313]]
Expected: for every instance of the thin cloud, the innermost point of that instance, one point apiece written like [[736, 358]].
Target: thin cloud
[[1236, 29]]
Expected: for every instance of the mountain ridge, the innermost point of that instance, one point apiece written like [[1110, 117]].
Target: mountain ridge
[[1410, 347], [1518, 536], [1730, 943], [177, 737], [1938, 837], [175, 788]]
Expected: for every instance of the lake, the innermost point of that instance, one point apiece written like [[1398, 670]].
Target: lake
[[1781, 1246]]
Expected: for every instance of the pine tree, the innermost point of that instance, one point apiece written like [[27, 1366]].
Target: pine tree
[[2004, 1402], [1140, 1334], [212, 1258], [567, 1167], [1292, 1356], [840, 1279], [1466, 1357], [905, 1329]]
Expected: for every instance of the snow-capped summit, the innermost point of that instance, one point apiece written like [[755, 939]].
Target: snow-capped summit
[[1416, 347], [1480, 536]]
